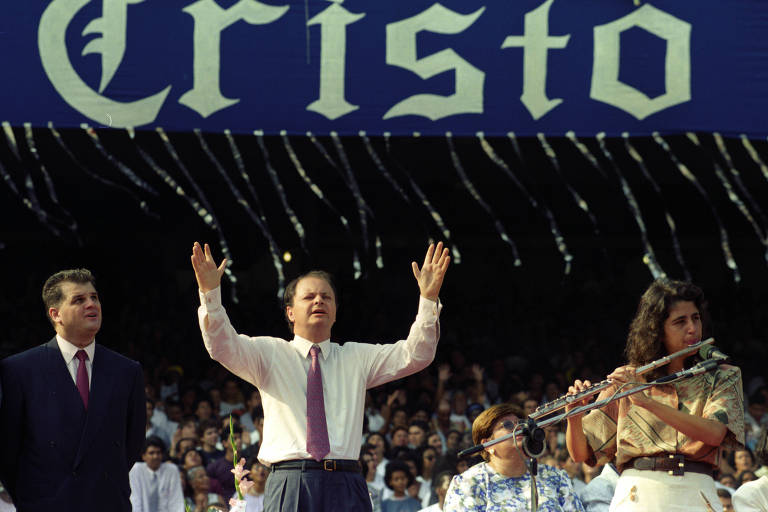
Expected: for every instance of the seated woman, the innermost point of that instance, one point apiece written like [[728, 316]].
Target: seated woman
[[201, 496], [502, 482]]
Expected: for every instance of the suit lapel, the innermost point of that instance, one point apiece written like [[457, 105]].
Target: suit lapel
[[98, 401]]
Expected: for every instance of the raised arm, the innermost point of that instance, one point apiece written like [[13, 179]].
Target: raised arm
[[430, 275]]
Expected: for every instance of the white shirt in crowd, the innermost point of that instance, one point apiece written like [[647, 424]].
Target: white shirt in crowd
[[279, 370], [169, 495], [751, 496]]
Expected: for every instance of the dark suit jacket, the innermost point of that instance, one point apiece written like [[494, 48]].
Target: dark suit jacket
[[53, 454]]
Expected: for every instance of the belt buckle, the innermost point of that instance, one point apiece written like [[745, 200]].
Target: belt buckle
[[329, 465], [677, 462]]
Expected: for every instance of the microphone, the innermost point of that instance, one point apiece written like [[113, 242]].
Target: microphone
[[712, 352], [702, 367]]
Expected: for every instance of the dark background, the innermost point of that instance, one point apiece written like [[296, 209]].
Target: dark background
[[493, 309]]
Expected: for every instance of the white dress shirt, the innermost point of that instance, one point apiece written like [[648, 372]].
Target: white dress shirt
[[279, 369], [751, 496], [68, 351], [170, 496]]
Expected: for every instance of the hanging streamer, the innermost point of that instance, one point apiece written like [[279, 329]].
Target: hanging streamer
[[553, 228], [576, 197], [207, 206], [204, 214], [9, 181], [670, 221], [30, 200], [281, 191], [263, 225], [724, 243], [319, 193], [649, 258], [363, 210], [585, 152], [426, 203], [117, 163], [273, 249], [478, 198], [755, 155], [104, 181], [71, 223], [733, 196], [382, 169], [737, 178]]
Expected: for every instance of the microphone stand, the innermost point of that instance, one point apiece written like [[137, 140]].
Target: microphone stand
[[533, 433]]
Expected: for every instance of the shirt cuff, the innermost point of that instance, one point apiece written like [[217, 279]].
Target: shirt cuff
[[429, 308], [211, 300]]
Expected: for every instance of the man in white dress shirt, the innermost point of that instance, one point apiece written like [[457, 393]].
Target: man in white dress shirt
[[313, 445], [155, 485]]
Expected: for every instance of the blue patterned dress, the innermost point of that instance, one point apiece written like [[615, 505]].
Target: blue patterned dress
[[481, 489]]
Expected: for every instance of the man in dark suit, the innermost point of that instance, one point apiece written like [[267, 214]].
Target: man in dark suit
[[72, 415]]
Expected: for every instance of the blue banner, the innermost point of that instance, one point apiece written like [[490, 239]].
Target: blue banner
[[340, 66]]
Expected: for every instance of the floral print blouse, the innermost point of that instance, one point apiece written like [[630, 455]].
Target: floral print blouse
[[481, 489]]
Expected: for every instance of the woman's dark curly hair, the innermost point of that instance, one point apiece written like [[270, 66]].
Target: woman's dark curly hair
[[645, 342]]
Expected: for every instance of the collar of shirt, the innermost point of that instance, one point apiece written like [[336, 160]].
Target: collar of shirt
[[68, 350], [303, 346]]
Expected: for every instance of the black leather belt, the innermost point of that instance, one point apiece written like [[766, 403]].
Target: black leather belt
[[325, 465], [674, 464]]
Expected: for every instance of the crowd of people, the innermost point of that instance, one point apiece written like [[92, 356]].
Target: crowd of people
[[201, 419], [413, 430]]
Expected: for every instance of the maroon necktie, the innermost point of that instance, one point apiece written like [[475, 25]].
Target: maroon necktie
[[317, 430], [82, 377]]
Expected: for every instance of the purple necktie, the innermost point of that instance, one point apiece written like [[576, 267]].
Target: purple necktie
[[317, 430], [82, 377]]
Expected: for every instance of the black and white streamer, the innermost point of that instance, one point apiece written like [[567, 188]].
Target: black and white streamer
[[580, 202], [733, 196], [635, 155], [649, 258], [479, 199], [539, 205], [104, 181], [363, 210], [30, 199], [456, 255], [725, 245], [71, 223], [356, 267], [297, 227]]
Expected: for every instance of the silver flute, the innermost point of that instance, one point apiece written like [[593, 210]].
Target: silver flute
[[559, 403]]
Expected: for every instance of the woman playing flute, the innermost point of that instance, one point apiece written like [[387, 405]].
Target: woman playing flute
[[668, 439]]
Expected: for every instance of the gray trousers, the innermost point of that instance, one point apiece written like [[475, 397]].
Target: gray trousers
[[313, 490]]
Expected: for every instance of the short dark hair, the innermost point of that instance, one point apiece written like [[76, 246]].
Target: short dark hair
[[290, 290], [397, 465], [723, 493], [484, 424], [153, 441], [52, 294], [205, 425]]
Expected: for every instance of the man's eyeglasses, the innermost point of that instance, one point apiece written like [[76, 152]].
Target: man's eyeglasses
[[430, 457]]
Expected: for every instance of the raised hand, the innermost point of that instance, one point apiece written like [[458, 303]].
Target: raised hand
[[477, 371], [430, 275], [444, 372], [207, 273]]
